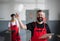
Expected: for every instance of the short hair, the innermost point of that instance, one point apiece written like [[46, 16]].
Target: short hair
[[39, 11], [12, 15]]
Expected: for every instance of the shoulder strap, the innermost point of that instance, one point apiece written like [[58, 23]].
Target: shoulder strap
[[44, 25], [15, 22], [34, 24]]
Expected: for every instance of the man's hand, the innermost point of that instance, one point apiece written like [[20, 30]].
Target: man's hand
[[17, 15], [43, 37], [20, 22], [49, 36], [9, 29], [58, 36]]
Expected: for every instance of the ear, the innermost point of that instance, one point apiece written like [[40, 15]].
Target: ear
[[45, 19]]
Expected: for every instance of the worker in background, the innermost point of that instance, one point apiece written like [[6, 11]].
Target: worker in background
[[14, 28]]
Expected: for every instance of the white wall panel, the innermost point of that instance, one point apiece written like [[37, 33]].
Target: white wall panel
[[53, 7]]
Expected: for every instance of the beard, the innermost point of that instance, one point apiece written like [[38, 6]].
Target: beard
[[39, 19]]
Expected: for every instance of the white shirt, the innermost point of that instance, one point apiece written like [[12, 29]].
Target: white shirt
[[13, 23]]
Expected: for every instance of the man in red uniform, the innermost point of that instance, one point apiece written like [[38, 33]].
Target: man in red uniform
[[38, 28], [14, 28]]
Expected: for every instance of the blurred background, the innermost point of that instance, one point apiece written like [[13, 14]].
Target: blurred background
[[25, 8]]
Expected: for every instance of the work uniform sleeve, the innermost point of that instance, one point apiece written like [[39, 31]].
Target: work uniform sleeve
[[29, 26], [9, 24], [48, 29]]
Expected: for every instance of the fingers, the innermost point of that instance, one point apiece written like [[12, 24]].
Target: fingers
[[58, 36], [17, 15], [50, 37]]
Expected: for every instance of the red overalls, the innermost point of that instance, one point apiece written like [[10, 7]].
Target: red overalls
[[14, 33], [38, 32]]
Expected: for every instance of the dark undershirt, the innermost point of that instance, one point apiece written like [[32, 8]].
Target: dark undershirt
[[30, 26]]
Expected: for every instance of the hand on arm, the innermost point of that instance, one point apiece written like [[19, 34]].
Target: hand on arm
[[20, 22]]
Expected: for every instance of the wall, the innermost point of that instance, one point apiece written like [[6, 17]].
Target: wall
[[53, 7]]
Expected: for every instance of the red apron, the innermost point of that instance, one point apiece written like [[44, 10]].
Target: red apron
[[38, 32], [14, 33]]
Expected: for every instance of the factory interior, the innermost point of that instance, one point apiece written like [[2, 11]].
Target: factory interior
[[26, 9]]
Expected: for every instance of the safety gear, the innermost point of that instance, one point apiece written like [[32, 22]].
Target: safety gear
[[38, 32], [14, 33]]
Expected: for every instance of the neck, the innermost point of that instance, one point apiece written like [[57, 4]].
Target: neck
[[12, 19], [40, 22]]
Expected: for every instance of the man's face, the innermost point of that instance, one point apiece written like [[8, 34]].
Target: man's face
[[40, 16]]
